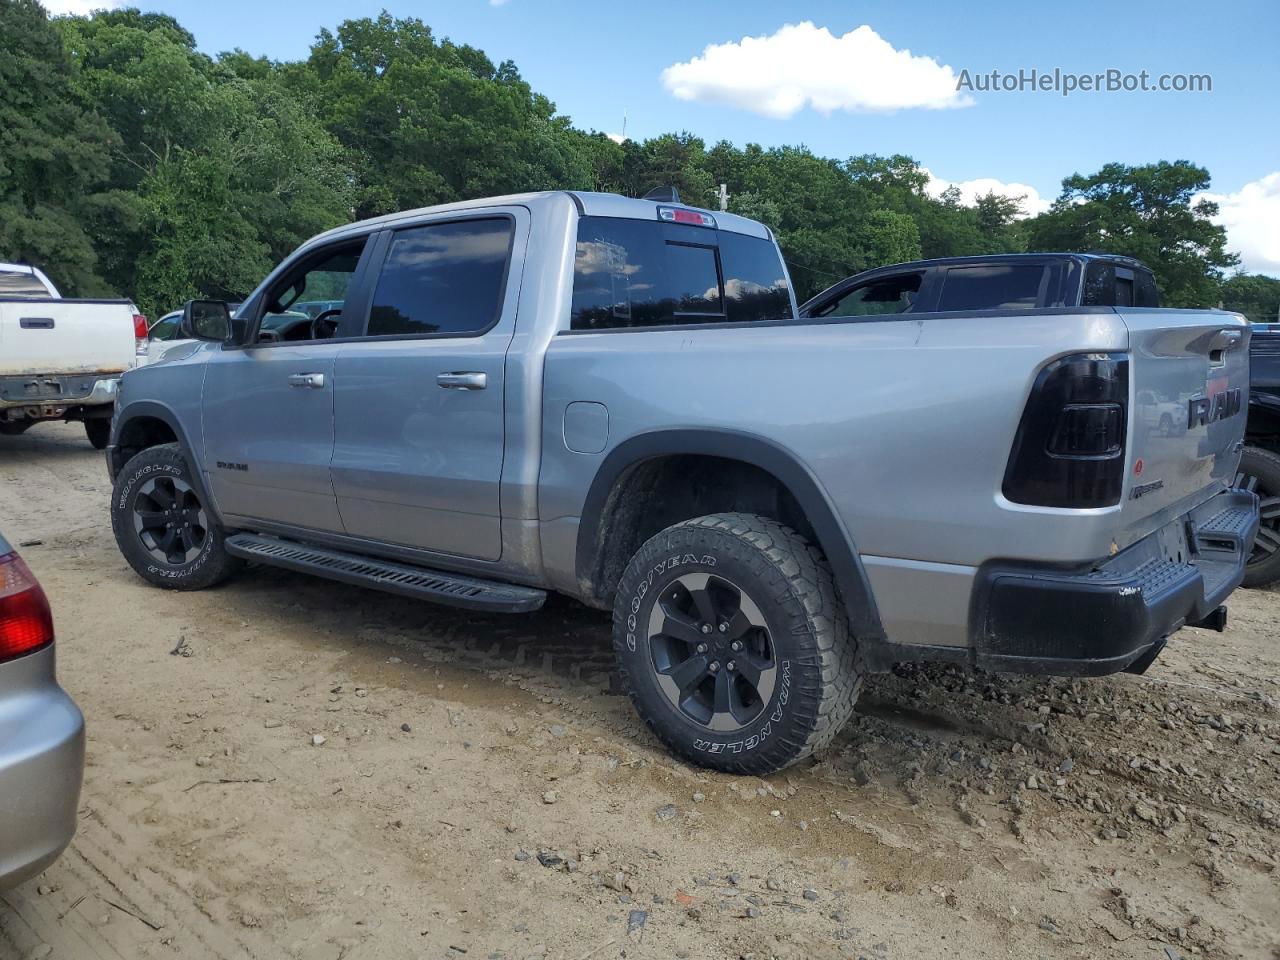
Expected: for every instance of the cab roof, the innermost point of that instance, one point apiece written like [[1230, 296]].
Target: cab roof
[[588, 204]]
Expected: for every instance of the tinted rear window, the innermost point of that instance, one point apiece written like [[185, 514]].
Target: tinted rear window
[[995, 287], [14, 284], [755, 286], [1145, 293], [442, 278], [637, 273], [1107, 286]]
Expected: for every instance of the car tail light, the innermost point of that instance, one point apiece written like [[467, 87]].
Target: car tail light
[[26, 622], [139, 334], [1069, 449]]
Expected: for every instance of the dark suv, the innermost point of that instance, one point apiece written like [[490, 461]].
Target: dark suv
[[1013, 281]]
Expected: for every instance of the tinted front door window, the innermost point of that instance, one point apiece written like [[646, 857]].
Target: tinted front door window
[[895, 294], [444, 278]]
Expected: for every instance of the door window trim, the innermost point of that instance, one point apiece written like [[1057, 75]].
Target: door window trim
[[357, 295], [386, 237]]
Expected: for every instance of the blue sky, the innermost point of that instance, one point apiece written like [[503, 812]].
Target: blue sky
[[599, 61]]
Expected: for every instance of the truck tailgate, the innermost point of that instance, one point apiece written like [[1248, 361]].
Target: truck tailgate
[[1190, 395], [66, 336]]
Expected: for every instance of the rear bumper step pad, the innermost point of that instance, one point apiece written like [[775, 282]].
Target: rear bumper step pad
[[453, 589]]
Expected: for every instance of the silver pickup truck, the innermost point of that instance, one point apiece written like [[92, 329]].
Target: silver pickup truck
[[614, 399]]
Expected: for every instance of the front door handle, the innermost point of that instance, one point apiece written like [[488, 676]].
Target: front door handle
[[469, 380], [313, 380]]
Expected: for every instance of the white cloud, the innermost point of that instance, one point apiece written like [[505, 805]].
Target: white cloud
[[79, 8], [497, 3], [805, 65], [1252, 218], [617, 137], [971, 190]]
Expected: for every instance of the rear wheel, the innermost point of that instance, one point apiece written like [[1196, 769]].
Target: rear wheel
[[1259, 473], [98, 430], [733, 645], [163, 528]]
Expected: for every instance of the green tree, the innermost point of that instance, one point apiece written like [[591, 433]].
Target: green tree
[[217, 170], [53, 153], [430, 121], [1145, 212], [997, 217], [1255, 295]]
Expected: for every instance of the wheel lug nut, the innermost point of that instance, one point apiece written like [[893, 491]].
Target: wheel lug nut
[[714, 666], [731, 665], [724, 628], [702, 648], [706, 628], [736, 645]]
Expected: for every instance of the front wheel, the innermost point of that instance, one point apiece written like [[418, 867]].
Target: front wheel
[[1259, 473], [732, 643], [163, 528]]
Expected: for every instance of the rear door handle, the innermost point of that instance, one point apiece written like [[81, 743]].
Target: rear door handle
[[313, 380], [469, 380]]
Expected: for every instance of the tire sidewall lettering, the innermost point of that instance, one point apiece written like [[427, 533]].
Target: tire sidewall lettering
[[662, 571], [123, 503]]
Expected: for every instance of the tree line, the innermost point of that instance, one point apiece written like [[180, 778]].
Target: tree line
[[133, 165]]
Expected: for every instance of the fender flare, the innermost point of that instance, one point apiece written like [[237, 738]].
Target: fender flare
[[833, 536], [154, 410]]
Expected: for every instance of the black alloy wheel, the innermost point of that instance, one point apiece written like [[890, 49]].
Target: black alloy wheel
[[712, 652], [169, 520]]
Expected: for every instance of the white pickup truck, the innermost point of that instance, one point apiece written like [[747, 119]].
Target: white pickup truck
[[61, 359]]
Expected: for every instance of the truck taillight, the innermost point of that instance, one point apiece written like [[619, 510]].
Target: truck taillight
[[26, 622], [139, 326], [1069, 449]]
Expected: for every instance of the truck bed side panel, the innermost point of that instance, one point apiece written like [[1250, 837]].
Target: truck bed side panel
[[907, 424]]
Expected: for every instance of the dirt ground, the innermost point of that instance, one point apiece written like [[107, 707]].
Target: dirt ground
[[479, 793]]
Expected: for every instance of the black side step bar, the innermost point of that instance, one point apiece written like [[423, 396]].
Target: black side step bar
[[453, 589]]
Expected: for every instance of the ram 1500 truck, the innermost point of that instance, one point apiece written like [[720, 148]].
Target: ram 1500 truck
[[61, 359], [614, 399]]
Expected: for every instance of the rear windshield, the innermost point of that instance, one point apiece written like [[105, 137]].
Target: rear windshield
[[15, 284], [994, 287], [1107, 285], [638, 273]]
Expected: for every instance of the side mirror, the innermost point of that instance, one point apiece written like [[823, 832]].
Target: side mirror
[[207, 320]]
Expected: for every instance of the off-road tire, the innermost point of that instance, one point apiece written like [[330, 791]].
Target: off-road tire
[[210, 565], [98, 430], [1259, 471], [818, 671]]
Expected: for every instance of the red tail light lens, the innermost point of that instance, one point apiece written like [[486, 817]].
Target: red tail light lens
[[139, 327], [26, 622], [679, 215]]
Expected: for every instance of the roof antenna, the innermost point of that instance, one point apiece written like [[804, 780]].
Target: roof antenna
[[663, 195]]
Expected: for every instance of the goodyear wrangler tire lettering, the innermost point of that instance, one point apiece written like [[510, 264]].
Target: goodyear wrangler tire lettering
[[732, 644], [161, 525]]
